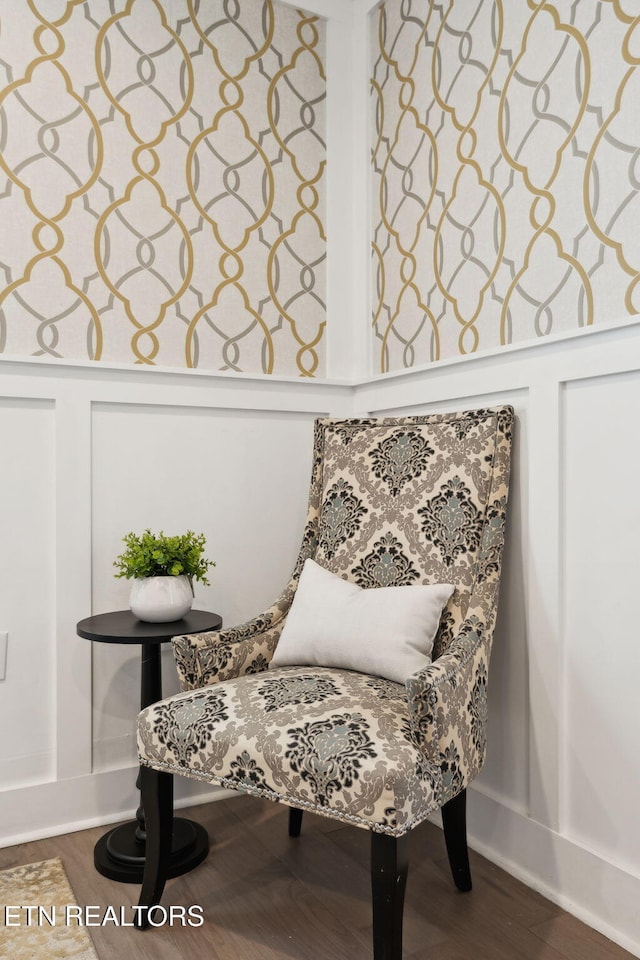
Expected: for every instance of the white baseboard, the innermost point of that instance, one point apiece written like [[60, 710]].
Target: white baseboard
[[596, 891], [66, 806]]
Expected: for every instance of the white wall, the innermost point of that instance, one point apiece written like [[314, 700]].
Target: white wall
[[557, 801], [88, 454], [27, 525]]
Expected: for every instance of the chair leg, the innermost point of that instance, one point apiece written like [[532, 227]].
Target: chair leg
[[295, 821], [157, 802], [389, 865], [454, 821]]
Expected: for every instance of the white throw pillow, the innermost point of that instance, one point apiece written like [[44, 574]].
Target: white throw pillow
[[384, 631]]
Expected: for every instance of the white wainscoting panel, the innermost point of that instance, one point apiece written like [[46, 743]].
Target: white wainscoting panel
[[557, 801], [601, 756], [27, 585], [90, 452], [240, 477]]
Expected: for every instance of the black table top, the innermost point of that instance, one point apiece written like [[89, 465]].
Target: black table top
[[121, 626]]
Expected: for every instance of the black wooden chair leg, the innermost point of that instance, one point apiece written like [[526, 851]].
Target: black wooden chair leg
[[389, 865], [157, 802], [454, 821], [295, 821]]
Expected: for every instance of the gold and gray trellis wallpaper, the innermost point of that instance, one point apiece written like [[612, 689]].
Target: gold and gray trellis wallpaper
[[506, 172], [162, 178], [162, 183]]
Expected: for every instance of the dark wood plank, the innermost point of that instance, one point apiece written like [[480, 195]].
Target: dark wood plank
[[576, 941]]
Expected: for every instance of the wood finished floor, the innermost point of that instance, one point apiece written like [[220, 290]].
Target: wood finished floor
[[268, 897]]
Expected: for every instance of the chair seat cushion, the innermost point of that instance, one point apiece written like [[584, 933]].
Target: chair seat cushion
[[336, 741]]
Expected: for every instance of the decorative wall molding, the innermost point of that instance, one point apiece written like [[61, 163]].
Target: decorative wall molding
[[545, 807], [560, 639], [67, 430]]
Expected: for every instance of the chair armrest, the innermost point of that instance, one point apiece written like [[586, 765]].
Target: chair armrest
[[205, 658], [448, 707]]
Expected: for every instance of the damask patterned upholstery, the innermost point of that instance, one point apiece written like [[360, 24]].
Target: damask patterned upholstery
[[393, 502]]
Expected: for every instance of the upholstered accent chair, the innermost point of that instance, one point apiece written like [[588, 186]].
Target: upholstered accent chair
[[394, 503]]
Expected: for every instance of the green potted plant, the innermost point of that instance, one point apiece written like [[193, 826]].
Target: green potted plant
[[163, 570]]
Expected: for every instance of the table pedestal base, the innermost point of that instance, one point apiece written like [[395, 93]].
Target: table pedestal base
[[119, 855]]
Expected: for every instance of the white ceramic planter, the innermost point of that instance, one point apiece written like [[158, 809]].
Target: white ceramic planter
[[161, 599]]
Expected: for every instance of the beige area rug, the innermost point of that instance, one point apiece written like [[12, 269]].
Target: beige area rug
[[29, 934]]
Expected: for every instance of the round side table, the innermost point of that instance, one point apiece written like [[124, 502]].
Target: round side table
[[120, 853]]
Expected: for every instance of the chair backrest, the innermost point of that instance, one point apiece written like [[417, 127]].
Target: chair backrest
[[414, 500], [392, 501]]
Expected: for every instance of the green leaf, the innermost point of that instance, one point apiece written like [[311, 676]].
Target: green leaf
[[155, 555]]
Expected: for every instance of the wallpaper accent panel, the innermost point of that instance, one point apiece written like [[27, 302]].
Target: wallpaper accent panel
[[162, 183], [505, 170]]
